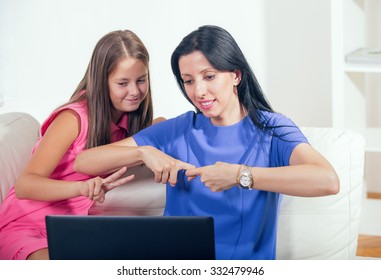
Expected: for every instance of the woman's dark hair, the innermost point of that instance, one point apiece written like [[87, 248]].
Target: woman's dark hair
[[224, 54], [108, 52]]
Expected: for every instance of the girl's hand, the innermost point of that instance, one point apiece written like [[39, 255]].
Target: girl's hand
[[162, 165], [96, 188], [217, 177]]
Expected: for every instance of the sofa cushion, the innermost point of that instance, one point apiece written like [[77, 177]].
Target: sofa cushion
[[18, 134], [326, 227], [140, 197]]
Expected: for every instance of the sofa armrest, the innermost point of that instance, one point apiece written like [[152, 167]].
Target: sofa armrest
[[18, 134], [326, 227]]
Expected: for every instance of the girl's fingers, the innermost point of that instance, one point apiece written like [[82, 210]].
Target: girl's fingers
[[186, 166], [91, 190], [109, 186], [114, 176]]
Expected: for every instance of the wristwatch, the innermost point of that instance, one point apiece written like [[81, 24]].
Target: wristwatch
[[245, 178]]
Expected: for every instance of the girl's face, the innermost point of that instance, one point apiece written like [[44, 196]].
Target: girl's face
[[211, 91], [128, 85]]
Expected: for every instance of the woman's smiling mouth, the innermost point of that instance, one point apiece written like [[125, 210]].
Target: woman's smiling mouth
[[206, 104]]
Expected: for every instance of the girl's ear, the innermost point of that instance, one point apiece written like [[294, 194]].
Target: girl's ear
[[238, 76]]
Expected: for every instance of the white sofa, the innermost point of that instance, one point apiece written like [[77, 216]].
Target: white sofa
[[309, 228]]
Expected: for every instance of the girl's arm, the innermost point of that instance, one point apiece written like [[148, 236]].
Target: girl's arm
[[34, 183], [309, 174], [107, 158], [158, 120], [112, 156]]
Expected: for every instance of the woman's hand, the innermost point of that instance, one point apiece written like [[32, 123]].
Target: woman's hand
[[162, 165], [96, 188], [217, 177]]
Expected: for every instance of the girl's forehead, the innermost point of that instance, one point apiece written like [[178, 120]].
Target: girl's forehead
[[130, 66]]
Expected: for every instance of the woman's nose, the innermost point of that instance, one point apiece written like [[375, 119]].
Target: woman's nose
[[200, 89]]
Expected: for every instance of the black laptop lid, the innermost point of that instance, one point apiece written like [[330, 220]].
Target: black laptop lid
[[130, 238]]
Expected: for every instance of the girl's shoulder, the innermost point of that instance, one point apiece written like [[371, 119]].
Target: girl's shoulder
[[79, 108]]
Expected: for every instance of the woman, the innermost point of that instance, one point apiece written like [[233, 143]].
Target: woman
[[112, 101], [232, 158]]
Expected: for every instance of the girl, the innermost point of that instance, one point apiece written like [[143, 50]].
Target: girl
[[112, 101]]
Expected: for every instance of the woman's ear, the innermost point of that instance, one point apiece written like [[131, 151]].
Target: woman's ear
[[238, 77]]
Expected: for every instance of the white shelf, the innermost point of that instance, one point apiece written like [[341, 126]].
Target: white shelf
[[362, 67], [356, 24], [351, 29]]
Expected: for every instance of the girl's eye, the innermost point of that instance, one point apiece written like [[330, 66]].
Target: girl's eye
[[142, 81], [122, 84]]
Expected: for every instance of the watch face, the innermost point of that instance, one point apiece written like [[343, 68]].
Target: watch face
[[245, 181]]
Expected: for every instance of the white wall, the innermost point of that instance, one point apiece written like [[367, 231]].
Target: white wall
[[46, 44], [298, 59]]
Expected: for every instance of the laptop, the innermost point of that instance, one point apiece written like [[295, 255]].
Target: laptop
[[130, 237]]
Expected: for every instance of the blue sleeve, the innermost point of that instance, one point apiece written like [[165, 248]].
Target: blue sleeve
[[286, 137], [166, 134]]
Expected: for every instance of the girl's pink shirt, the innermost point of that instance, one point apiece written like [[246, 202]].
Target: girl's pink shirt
[[24, 213]]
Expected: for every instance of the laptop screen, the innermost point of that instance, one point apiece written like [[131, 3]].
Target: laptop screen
[[130, 238]]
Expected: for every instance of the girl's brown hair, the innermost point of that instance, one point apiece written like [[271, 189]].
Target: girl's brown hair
[[94, 89]]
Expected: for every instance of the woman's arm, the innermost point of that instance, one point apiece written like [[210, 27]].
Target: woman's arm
[[34, 183], [309, 174]]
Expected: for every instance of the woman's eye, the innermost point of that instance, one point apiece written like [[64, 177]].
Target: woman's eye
[[209, 77], [187, 82]]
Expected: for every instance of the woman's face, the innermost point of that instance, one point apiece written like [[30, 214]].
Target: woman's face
[[211, 91], [128, 85]]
